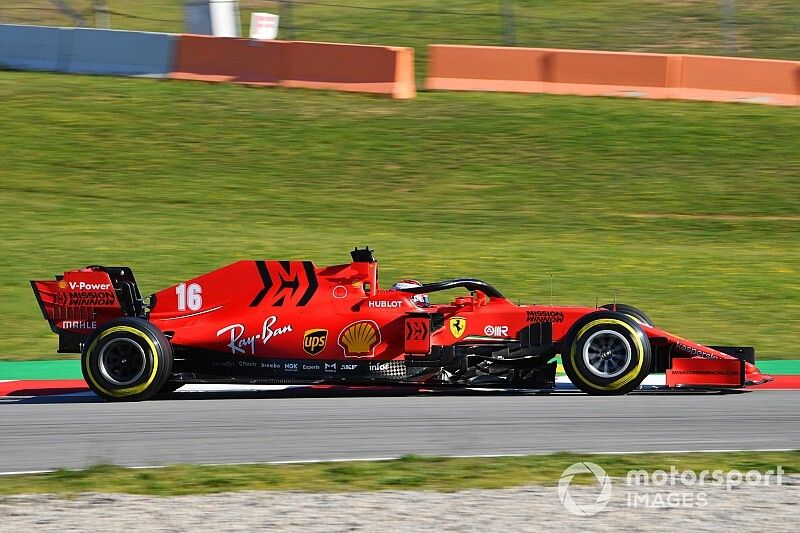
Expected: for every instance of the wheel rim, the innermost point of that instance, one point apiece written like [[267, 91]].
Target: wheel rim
[[122, 361], [607, 353]]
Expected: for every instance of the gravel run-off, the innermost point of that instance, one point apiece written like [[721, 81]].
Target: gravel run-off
[[745, 508]]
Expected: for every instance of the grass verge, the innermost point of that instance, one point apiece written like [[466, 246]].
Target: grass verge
[[412, 473], [691, 208]]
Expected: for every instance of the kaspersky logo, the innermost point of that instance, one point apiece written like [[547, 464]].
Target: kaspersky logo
[[458, 325]]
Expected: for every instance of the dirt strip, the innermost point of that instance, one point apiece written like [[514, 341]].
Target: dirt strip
[[745, 508]]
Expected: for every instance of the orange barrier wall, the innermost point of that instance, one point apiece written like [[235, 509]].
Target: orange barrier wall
[[351, 67], [201, 57], [485, 68], [729, 78], [341, 67], [601, 73], [592, 73]]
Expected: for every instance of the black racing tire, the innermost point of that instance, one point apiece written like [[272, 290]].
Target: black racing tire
[[606, 353], [127, 359], [633, 312]]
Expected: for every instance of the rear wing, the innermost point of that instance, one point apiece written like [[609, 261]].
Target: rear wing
[[77, 302]]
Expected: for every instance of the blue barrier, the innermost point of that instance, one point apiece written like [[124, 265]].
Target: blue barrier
[[121, 53], [34, 47]]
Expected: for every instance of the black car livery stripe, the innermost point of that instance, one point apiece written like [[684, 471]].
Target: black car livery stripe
[[311, 276], [283, 281], [265, 279], [417, 330]]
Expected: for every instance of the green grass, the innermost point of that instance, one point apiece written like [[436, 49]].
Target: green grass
[[410, 473], [692, 208], [761, 28]]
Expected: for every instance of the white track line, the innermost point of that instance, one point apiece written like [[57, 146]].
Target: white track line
[[395, 458], [225, 387]]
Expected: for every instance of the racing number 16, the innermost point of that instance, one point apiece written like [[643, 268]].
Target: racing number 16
[[189, 296]]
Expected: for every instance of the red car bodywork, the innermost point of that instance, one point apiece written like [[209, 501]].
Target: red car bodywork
[[251, 319]]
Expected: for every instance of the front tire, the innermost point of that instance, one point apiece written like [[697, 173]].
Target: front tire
[[127, 359], [633, 312], [606, 353]]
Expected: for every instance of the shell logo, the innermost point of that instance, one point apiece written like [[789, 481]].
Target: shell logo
[[62, 285], [360, 339]]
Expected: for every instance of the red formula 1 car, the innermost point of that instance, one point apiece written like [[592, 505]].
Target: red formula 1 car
[[293, 322]]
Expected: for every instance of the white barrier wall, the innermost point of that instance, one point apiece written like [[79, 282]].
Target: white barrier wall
[[34, 47], [86, 50], [121, 53]]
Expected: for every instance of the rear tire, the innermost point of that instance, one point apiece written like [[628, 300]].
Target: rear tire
[[636, 314], [606, 353], [127, 359]]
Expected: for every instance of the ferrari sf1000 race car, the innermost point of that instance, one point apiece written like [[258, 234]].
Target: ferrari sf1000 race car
[[291, 322]]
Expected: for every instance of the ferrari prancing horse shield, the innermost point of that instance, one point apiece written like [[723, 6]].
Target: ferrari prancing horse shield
[[458, 325]]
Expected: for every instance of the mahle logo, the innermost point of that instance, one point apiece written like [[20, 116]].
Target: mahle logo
[[314, 341], [581, 507]]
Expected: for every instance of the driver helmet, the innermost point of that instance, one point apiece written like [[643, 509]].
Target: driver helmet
[[418, 299]]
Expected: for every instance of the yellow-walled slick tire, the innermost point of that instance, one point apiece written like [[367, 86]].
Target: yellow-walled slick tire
[[633, 312], [606, 353], [127, 359]]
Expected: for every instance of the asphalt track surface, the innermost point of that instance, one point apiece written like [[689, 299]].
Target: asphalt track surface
[[75, 431]]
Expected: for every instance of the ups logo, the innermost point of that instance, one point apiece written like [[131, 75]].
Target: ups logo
[[314, 341]]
